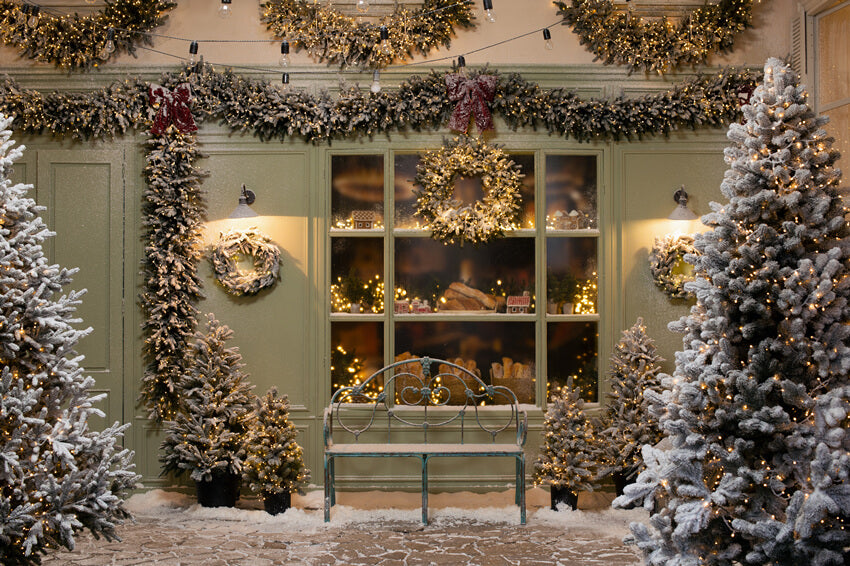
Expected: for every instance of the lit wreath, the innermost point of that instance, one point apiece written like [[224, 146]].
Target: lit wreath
[[250, 243], [77, 42], [665, 255], [333, 37], [617, 37], [448, 218]]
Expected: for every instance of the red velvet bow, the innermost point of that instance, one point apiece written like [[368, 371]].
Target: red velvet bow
[[174, 108], [472, 96]]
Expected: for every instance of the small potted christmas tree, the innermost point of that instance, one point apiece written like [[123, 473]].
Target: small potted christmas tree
[[274, 464], [566, 462], [627, 424], [208, 437]]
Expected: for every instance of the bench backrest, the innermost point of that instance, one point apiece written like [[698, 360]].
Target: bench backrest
[[425, 394]]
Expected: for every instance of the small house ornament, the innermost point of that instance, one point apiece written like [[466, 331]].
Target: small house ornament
[[363, 219], [519, 304]]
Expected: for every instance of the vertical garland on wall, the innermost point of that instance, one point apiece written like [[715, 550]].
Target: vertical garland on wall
[[173, 210]]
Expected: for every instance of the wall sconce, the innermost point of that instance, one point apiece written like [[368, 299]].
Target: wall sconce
[[681, 212], [243, 210]]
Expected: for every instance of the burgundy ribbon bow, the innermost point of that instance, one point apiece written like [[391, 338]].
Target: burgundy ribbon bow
[[472, 96], [174, 108]]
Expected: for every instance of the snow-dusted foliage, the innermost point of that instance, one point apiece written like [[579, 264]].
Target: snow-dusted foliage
[[627, 425], [57, 477], [566, 457], [210, 432], [173, 209], [274, 462], [757, 408]]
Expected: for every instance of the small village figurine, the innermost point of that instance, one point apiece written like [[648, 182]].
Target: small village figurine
[[363, 219], [519, 304]]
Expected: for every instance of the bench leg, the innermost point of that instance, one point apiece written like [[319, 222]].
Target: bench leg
[[424, 489], [520, 487], [329, 490]]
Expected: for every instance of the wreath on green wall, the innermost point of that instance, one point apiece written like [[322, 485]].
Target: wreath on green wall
[[451, 220], [80, 42], [251, 243], [666, 256], [617, 37], [333, 37]]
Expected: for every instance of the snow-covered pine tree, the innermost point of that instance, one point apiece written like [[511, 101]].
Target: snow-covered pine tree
[[174, 209], [208, 436], [626, 423], [274, 463], [566, 460], [57, 477], [757, 407]]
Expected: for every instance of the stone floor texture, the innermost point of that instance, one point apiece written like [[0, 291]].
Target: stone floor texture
[[170, 530]]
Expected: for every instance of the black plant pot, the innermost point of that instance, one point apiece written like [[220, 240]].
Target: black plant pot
[[221, 491], [622, 479], [275, 503], [563, 495]]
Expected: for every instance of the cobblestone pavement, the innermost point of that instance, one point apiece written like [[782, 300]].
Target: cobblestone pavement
[[180, 534]]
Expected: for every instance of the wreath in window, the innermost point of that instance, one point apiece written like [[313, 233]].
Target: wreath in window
[[666, 260], [251, 242], [451, 220], [333, 37]]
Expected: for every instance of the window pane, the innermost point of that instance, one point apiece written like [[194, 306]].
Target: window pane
[[426, 269], [357, 265], [571, 192], [405, 198], [571, 352], [357, 351], [357, 191], [502, 353], [571, 269], [526, 212]]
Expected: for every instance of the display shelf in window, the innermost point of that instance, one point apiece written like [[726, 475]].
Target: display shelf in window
[[571, 353], [357, 284], [357, 192]]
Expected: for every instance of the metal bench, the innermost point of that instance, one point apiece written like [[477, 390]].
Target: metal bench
[[410, 396]]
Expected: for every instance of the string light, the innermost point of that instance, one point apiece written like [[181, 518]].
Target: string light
[[34, 12], [284, 54], [109, 45], [547, 39], [193, 50], [284, 80], [362, 6], [225, 11], [488, 11], [376, 82]]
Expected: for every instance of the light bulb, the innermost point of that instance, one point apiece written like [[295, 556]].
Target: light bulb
[[225, 10], [284, 54], [193, 50], [284, 81], [488, 11], [362, 6], [109, 46], [547, 39], [376, 82], [33, 21], [24, 14]]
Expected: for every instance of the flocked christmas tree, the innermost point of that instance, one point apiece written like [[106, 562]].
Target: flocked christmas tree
[[757, 407], [208, 437], [57, 477], [274, 464], [174, 210], [566, 461], [626, 423]]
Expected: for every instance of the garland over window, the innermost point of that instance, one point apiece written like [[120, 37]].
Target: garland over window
[[337, 38], [620, 38], [265, 256], [666, 256], [451, 220], [418, 103], [78, 42]]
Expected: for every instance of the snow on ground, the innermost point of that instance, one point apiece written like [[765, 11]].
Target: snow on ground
[[306, 515]]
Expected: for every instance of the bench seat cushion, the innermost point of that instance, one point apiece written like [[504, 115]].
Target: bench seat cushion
[[383, 449]]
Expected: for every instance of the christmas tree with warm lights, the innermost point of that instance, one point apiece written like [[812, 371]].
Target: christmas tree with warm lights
[[274, 465], [757, 408], [627, 424], [566, 462], [57, 476], [209, 435]]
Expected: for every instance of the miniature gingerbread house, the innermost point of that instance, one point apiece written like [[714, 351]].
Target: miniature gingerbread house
[[519, 304]]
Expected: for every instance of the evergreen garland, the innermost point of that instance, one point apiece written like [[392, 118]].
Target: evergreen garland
[[209, 435], [333, 37], [418, 103], [617, 37], [173, 213], [77, 42]]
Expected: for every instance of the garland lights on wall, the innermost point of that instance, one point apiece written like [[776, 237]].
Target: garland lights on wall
[[618, 37]]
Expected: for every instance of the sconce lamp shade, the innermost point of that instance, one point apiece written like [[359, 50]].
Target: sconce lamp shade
[[243, 210], [681, 212]]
